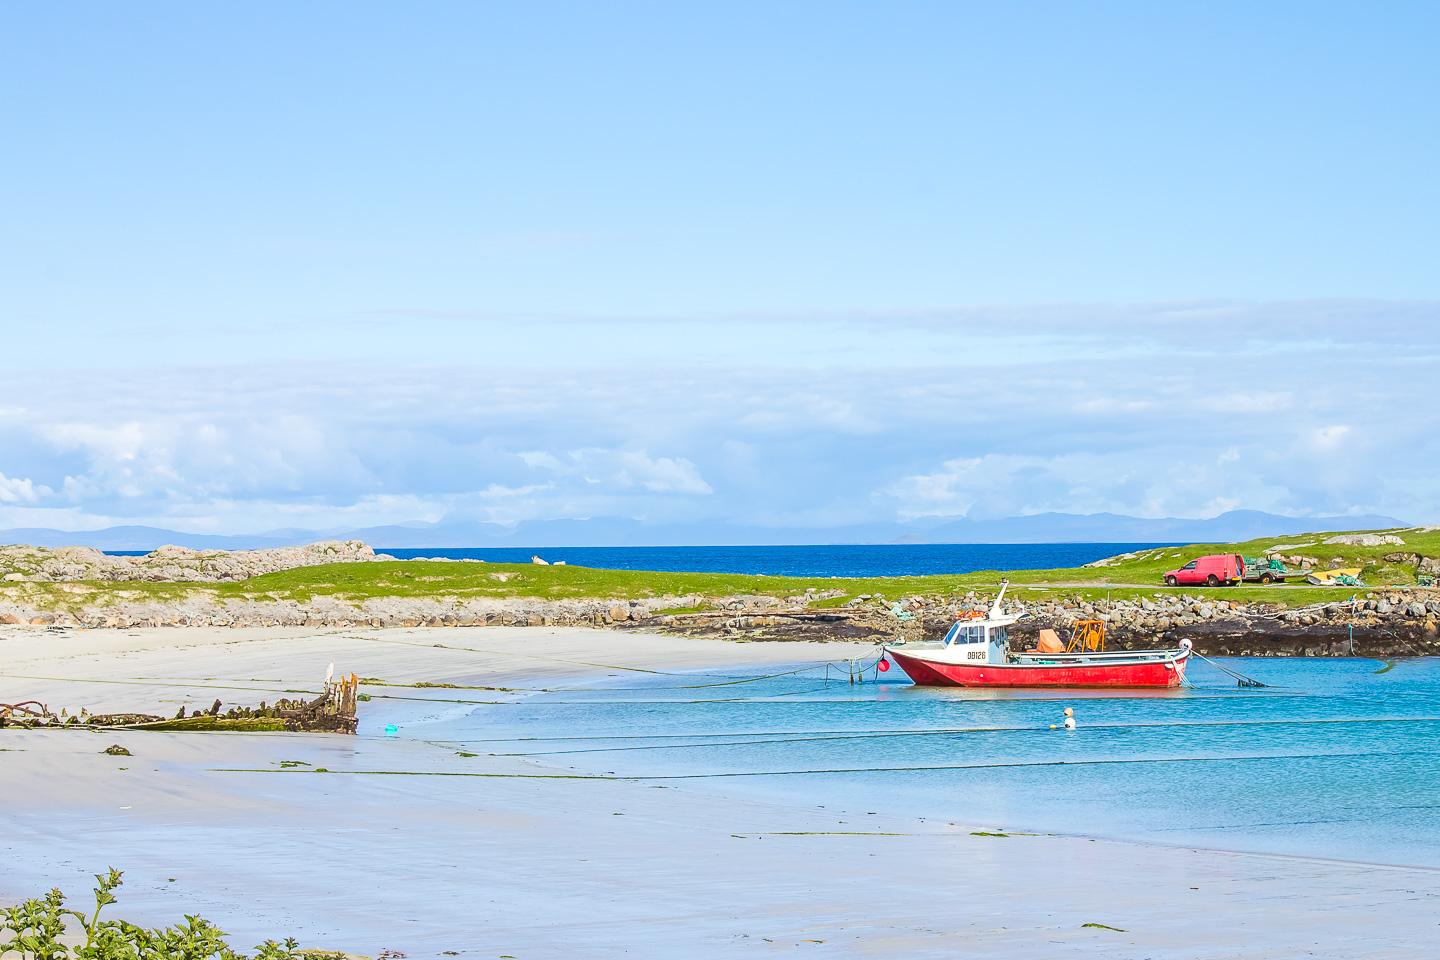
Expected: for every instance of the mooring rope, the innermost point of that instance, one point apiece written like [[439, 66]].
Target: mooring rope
[[929, 768], [1240, 678], [856, 665], [908, 731], [763, 739]]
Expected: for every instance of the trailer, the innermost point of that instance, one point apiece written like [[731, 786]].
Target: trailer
[[1261, 570]]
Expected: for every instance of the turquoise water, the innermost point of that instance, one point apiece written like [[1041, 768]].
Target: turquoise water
[[1336, 758], [827, 560]]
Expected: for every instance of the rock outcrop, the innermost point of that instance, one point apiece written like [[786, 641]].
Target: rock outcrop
[[173, 564], [1423, 565], [1364, 539]]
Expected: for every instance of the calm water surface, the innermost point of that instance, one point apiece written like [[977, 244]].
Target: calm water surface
[[1334, 759], [843, 560]]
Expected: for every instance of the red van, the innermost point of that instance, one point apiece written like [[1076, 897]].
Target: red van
[[1212, 570]]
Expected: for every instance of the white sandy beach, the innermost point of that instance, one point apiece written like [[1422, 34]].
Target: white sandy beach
[[561, 867]]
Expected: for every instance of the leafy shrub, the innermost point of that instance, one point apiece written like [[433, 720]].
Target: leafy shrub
[[36, 930]]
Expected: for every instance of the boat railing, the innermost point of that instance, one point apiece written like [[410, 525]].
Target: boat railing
[[1101, 655]]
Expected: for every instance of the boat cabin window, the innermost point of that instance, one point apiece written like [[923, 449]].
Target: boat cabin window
[[965, 633], [999, 635]]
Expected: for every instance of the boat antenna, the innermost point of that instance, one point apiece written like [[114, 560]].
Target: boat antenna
[[995, 609]]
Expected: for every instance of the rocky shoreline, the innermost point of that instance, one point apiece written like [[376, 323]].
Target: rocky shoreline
[[1374, 625], [1380, 625], [1379, 622]]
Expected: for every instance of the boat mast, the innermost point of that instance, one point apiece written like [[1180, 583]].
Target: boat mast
[[995, 609]]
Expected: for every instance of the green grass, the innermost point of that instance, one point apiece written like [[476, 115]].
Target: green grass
[[357, 582], [422, 578]]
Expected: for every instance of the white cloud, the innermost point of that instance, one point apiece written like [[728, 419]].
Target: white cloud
[[624, 469], [662, 474], [541, 460], [1161, 481], [997, 485], [1326, 439], [1112, 405], [1173, 424], [19, 490]]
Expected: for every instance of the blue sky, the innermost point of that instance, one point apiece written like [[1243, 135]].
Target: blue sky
[[792, 264]]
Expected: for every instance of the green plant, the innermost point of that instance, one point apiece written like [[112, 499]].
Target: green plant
[[37, 931]]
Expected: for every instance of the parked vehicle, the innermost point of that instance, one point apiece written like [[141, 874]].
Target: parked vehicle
[[1212, 570], [1260, 570]]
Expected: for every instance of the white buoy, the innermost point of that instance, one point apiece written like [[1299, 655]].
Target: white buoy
[[1069, 719]]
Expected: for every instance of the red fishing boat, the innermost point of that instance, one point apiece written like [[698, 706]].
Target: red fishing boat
[[975, 652]]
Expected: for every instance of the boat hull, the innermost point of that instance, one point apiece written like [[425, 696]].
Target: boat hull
[[1166, 671]]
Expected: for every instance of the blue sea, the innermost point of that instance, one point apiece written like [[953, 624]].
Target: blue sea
[[845, 560], [1336, 758]]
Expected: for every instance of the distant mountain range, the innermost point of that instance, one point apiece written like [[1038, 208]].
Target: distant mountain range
[[619, 532]]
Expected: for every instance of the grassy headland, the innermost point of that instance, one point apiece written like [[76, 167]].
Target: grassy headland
[[1128, 578]]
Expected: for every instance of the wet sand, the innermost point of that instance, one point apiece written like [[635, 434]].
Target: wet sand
[[527, 861]]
